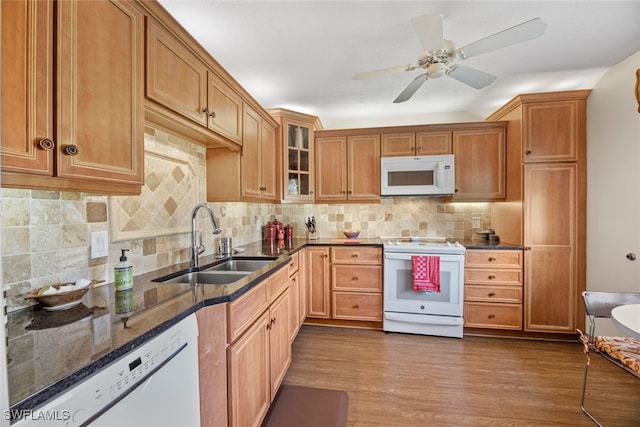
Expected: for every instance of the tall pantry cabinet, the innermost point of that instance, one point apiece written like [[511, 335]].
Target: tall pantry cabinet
[[546, 204]]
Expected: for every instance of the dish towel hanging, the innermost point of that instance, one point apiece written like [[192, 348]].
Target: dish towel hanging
[[426, 273]]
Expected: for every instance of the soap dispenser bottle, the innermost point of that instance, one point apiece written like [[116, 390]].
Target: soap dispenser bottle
[[123, 273]]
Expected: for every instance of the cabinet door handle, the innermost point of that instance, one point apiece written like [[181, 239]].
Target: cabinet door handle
[[273, 321], [212, 114], [491, 277], [492, 294], [527, 248], [527, 152], [311, 192], [349, 192], [46, 144], [268, 326], [70, 150], [356, 306], [491, 259], [325, 255]]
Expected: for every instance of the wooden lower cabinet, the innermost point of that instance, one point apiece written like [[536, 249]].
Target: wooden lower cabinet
[[259, 357], [318, 285], [212, 360], [345, 284], [554, 214], [249, 377], [297, 290], [493, 289]]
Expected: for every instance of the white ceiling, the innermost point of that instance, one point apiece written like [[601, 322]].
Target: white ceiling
[[301, 55]]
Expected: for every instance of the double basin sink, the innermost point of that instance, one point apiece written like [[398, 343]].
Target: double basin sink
[[220, 273]]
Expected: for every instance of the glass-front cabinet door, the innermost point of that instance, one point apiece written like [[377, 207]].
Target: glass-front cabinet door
[[298, 163], [298, 154]]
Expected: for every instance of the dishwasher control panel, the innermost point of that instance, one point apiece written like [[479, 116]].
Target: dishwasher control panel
[[98, 393]]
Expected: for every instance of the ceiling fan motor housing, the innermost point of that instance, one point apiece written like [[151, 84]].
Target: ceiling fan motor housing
[[436, 70]]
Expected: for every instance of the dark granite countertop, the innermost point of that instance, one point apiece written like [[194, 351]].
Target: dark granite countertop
[[478, 244], [50, 351]]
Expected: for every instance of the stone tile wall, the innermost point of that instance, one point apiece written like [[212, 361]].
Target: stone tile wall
[[46, 234]]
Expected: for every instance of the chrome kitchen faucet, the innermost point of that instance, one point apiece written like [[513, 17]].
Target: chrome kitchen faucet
[[196, 250]]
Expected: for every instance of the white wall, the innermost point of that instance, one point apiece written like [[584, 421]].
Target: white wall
[[613, 183]]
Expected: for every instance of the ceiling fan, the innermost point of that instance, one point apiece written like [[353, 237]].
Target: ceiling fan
[[439, 55]]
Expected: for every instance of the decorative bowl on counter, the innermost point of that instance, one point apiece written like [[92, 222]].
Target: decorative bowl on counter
[[351, 234], [61, 296]]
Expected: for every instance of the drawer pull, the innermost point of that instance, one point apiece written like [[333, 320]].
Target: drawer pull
[[355, 255], [491, 277], [492, 294], [491, 259], [491, 316], [356, 306], [354, 278]]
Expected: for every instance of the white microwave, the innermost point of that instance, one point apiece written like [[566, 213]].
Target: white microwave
[[417, 175]]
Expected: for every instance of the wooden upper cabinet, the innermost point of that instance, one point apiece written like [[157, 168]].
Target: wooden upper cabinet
[[398, 144], [101, 49], [295, 142], [27, 87], [258, 157], [224, 109], [348, 168], [479, 164], [415, 144], [204, 106], [430, 143], [363, 168], [331, 168], [552, 130], [98, 104], [175, 77]]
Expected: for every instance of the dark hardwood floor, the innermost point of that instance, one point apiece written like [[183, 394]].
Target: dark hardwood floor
[[411, 380]]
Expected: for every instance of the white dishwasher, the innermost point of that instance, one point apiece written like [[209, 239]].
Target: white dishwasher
[[156, 384]]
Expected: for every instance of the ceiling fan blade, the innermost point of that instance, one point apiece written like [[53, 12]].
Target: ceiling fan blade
[[520, 33], [429, 30], [382, 72], [470, 76], [411, 89]]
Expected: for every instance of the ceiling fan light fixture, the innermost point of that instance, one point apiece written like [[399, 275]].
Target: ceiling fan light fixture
[[436, 70]]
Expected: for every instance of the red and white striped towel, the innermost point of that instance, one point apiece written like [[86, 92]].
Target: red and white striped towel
[[426, 273]]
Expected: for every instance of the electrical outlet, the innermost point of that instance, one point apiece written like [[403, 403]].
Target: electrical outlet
[[99, 244], [476, 222]]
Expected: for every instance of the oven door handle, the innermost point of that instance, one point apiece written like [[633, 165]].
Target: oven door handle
[[402, 256]]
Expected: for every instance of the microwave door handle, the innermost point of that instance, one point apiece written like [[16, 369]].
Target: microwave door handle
[[440, 175]]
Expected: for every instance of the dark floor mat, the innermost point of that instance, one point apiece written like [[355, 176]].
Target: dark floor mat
[[298, 406]]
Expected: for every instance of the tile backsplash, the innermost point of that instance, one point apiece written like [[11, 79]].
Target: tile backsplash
[[46, 234]]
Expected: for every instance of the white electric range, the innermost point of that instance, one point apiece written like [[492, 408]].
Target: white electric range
[[419, 312]]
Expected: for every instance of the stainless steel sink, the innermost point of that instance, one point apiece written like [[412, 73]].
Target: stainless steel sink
[[207, 277], [236, 264], [221, 273]]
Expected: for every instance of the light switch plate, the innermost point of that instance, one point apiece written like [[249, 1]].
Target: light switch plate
[[99, 244], [476, 222]]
